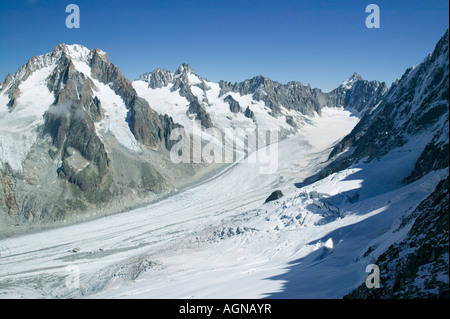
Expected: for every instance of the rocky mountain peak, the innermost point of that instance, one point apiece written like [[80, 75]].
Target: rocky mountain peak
[[158, 78], [347, 84], [75, 52], [183, 69], [78, 53]]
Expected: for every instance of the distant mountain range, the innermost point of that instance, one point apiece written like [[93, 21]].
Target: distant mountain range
[[71, 121]]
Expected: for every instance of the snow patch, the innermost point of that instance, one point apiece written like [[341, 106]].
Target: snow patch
[[18, 127], [115, 120]]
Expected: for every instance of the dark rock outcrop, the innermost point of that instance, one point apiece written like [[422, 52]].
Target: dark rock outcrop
[[274, 196], [249, 113], [158, 78], [201, 114], [235, 107], [70, 125]]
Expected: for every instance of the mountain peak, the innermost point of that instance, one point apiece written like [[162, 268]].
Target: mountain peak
[[75, 51], [351, 80], [78, 52], [184, 68], [354, 77], [157, 78]]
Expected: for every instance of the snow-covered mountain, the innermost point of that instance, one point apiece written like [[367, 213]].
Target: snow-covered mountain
[[185, 96], [268, 104], [76, 137], [229, 112]]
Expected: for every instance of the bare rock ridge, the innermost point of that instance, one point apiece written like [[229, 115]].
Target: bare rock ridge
[[356, 93], [148, 127], [295, 96]]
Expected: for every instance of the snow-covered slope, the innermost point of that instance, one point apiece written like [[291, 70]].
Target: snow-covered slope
[[187, 98], [18, 129], [315, 242]]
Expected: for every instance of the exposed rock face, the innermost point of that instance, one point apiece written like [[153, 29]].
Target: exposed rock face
[[274, 196], [184, 78], [149, 127], [70, 124], [290, 121], [295, 96], [434, 156], [201, 114], [158, 78], [76, 130], [234, 105], [357, 94], [249, 113], [7, 194]]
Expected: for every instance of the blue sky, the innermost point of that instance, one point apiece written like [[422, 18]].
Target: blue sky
[[316, 41]]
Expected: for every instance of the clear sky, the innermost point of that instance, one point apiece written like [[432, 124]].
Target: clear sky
[[316, 41]]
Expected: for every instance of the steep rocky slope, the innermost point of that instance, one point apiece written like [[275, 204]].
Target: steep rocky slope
[[409, 123]]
